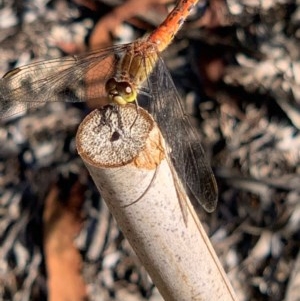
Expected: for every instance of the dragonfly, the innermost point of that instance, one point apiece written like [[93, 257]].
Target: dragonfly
[[122, 74]]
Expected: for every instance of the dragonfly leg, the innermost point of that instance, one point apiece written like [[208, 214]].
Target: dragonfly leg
[[137, 107], [106, 114]]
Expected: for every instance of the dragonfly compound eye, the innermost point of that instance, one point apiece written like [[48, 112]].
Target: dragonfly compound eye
[[120, 92]]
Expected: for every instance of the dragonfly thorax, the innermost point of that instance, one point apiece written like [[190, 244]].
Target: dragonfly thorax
[[120, 92]]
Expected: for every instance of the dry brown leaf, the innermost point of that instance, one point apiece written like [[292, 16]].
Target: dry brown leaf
[[101, 35], [62, 223]]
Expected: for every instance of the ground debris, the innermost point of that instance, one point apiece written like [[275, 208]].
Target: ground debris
[[238, 61]]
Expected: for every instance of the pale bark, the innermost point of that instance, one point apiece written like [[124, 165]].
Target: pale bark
[[136, 182]]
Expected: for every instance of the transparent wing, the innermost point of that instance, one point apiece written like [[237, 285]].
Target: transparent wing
[[70, 79], [185, 148], [83, 78]]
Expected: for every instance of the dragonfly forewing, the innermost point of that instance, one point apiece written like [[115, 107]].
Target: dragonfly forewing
[[69, 79]]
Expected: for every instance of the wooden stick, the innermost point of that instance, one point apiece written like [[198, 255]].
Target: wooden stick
[[125, 155]]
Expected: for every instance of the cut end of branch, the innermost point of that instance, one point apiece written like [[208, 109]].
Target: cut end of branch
[[114, 136]]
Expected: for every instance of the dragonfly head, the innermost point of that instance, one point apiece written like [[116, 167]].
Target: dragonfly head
[[120, 92]]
